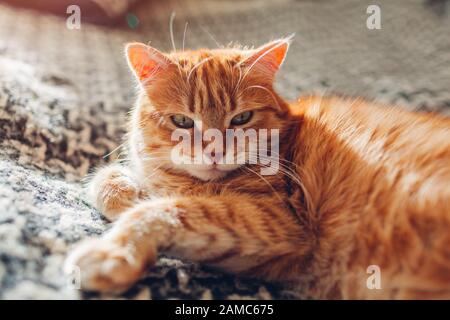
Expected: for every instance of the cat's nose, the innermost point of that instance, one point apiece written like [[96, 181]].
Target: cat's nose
[[213, 157]]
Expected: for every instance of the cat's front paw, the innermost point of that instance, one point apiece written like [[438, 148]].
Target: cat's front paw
[[105, 266], [113, 191]]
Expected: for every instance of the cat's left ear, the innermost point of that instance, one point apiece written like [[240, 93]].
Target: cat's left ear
[[146, 62], [269, 57]]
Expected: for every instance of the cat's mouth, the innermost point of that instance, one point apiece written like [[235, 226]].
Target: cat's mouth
[[210, 172]]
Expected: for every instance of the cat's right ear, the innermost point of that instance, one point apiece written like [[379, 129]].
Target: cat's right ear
[[146, 62]]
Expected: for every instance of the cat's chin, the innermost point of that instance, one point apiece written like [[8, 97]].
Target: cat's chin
[[210, 174]]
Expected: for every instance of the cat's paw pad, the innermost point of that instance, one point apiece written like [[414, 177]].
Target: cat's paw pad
[[104, 266]]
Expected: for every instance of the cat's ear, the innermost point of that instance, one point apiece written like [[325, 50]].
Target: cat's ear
[[145, 61], [269, 57]]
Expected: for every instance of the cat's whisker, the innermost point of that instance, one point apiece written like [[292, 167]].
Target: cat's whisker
[[266, 181], [184, 34], [283, 165], [283, 42], [148, 158], [284, 170], [288, 162], [172, 39], [114, 150], [239, 80], [150, 77], [297, 180], [153, 157], [153, 172], [258, 154], [198, 64], [267, 90], [211, 36]]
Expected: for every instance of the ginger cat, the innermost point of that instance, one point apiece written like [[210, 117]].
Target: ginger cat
[[359, 184]]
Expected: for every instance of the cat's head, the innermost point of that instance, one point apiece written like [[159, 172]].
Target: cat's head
[[203, 91]]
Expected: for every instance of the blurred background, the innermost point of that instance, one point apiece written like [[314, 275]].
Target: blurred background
[[65, 93]]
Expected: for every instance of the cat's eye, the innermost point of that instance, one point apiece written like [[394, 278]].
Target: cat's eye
[[242, 118], [181, 121]]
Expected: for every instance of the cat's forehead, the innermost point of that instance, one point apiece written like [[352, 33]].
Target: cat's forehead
[[192, 58], [212, 76]]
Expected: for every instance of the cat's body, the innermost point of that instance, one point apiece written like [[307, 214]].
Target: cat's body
[[360, 185]]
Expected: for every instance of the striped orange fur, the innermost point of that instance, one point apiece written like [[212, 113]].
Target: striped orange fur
[[360, 184]]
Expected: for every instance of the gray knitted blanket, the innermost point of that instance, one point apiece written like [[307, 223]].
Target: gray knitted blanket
[[64, 95]]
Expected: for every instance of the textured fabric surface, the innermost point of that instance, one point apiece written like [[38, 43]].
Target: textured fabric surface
[[64, 96]]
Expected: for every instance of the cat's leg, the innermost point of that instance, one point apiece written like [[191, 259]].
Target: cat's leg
[[113, 190], [238, 233]]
